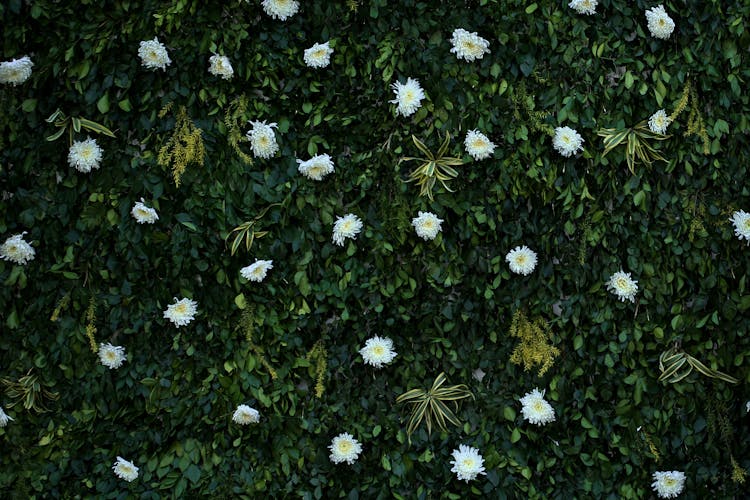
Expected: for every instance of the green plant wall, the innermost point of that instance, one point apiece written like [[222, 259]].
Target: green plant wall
[[289, 346]]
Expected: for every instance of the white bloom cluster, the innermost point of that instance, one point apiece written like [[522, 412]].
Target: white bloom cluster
[[281, 9], [111, 356], [658, 122], [262, 139], [467, 463], [587, 7], [125, 470], [153, 54], [536, 409], [469, 46], [17, 250], [567, 141], [478, 145], [659, 23], [622, 285], [319, 55], [378, 351], [522, 260], [741, 221], [244, 415], [344, 448], [16, 71], [409, 96], [4, 418], [347, 226], [257, 270], [668, 484], [85, 156], [220, 66], [143, 214], [427, 225], [316, 167], [182, 312]]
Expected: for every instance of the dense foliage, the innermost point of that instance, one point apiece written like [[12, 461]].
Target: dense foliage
[[288, 346]]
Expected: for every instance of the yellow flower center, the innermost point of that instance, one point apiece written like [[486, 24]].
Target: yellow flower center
[[142, 212], [264, 141], [87, 152], [470, 46], [520, 259], [621, 283], [378, 350], [319, 54], [347, 225], [746, 224], [110, 355], [345, 446], [153, 56], [662, 22], [479, 143], [670, 482], [468, 462], [181, 308], [428, 224]]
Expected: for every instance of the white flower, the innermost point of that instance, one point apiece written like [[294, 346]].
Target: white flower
[[347, 226], [659, 23], [478, 145], [522, 260], [318, 56], [4, 418], [280, 9], [344, 448], [143, 214], [262, 139], [623, 286], [244, 415], [536, 409], [467, 463], [659, 122], [220, 66], [85, 155], [257, 270], [16, 71], [408, 96], [427, 225], [125, 470], [378, 351], [153, 54], [181, 312], [668, 484], [741, 221], [316, 167], [747, 407], [111, 356], [16, 250], [584, 6], [567, 141], [469, 46]]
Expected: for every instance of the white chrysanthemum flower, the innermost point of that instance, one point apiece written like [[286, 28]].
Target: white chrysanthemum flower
[[319, 55], [378, 351], [181, 312], [469, 46], [741, 221], [244, 415], [220, 66], [427, 225], [347, 226], [344, 448], [409, 96], [262, 139], [257, 270], [668, 484], [85, 155], [17, 250], [111, 356], [154, 54], [125, 470], [659, 23], [536, 409], [280, 9], [567, 141], [623, 286], [478, 145], [316, 167], [4, 418], [584, 6], [16, 71], [659, 122], [747, 407], [467, 463], [522, 260], [143, 214]]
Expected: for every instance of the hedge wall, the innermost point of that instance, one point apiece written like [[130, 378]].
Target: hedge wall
[[289, 346]]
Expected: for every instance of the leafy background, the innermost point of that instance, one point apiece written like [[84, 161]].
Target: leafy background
[[447, 304]]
